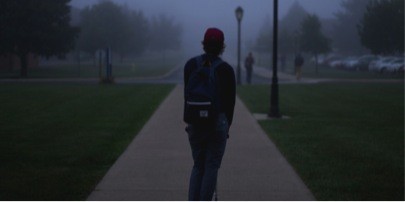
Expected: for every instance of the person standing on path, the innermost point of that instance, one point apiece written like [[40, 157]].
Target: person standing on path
[[249, 61], [299, 61], [208, 139]]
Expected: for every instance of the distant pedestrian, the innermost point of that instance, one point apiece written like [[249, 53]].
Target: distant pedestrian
[[249, 61], [209, 100], [299, 61]]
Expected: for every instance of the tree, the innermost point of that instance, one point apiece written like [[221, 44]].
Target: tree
[[103, 25], [311, 38], [138, 34], [38, 27], [286, 42], [165, 34], [264, 40], [292, 20], [382, 27], [345, 35], [289, 26]]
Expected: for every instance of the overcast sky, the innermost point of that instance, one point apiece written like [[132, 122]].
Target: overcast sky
[[198, 15]]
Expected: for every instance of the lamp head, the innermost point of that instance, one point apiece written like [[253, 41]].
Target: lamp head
[[239, 13]]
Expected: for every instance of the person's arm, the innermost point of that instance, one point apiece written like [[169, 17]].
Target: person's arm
[[227, 90], [188, 68]]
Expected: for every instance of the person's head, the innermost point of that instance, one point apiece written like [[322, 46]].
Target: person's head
[[213, 41]]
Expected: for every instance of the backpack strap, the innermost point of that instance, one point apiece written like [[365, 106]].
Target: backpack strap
[[215, 64], [199, 65], [199, 62], [213, 80]]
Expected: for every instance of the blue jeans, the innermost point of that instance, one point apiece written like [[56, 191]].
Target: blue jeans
[[208, 147]]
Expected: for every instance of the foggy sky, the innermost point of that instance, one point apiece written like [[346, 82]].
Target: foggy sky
[[198, 15]]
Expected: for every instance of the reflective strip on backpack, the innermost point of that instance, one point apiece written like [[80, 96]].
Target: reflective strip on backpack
[[198, 103]]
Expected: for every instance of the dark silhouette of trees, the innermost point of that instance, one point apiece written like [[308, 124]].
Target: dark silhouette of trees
[[290, 26], [345, 35], [104, 25], [288, 31], [312, 39], [382, 28], [291, 22], [165, 34], [138, 38], [264, 40], [126, 31], [38, 27]]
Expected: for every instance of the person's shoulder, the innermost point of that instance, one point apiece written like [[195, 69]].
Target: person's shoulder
[[191, 60], [225, 67], [191, 63]]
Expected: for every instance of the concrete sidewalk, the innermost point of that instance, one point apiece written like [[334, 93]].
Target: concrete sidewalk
[[157, 164]]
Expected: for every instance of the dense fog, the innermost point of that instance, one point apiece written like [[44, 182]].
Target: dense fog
[[196, 16], [346, 31]]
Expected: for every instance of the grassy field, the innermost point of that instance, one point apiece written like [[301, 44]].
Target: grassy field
[[346, 141], [147, 66], [57, 141]]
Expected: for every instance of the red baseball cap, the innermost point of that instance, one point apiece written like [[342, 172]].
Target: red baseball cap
[[213, 35]]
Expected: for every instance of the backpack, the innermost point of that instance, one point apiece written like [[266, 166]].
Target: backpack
[[201, 96]]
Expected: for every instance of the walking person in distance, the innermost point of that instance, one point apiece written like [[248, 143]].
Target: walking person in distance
[[249, 61], [209, 100], [298, 62]]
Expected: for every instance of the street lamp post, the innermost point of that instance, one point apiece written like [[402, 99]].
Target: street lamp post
[[239, 16], [274, 109]]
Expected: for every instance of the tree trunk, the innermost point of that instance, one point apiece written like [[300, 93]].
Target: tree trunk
[[316, 64], [24, 65]]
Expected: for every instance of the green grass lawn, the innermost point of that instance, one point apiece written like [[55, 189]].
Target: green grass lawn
[[58, 141], [346, 141], [133, 68]]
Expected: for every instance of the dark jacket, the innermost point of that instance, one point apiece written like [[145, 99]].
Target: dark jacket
[[226, 84], [299, 60]]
